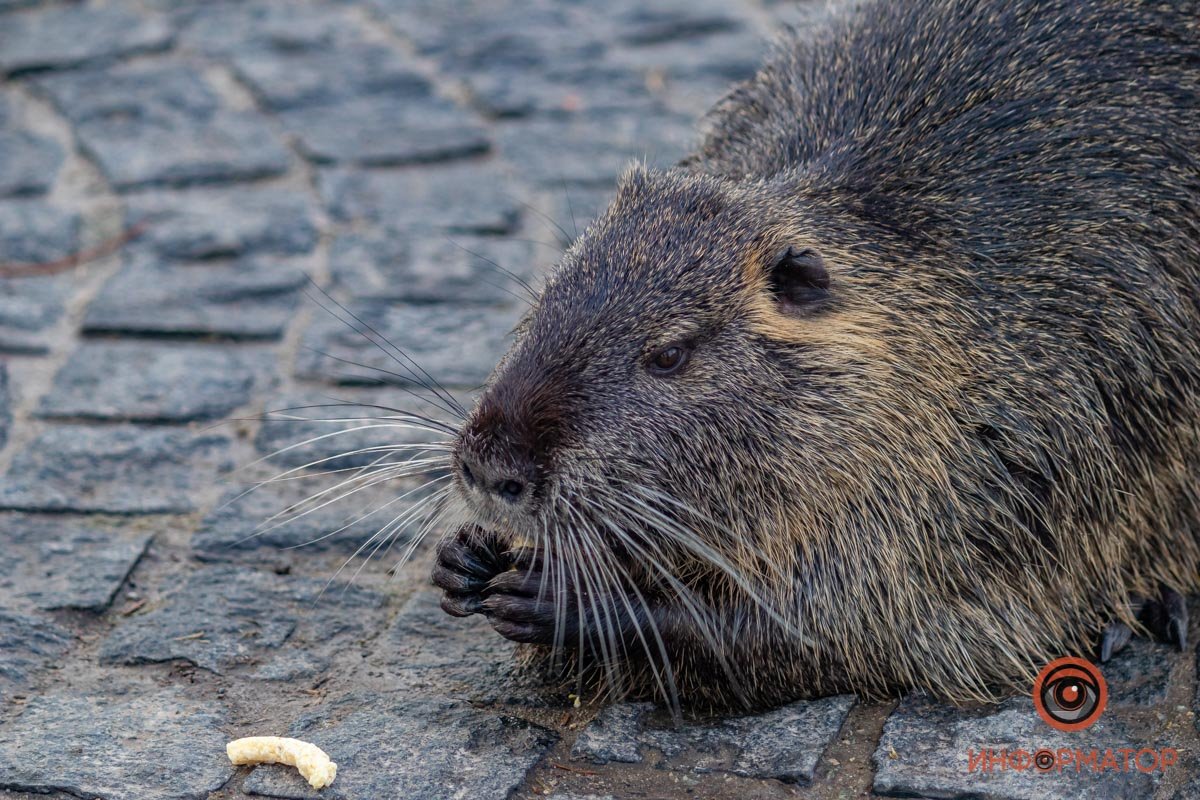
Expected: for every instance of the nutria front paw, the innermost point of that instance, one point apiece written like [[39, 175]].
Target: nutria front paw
[[466, 562], [525, 605]]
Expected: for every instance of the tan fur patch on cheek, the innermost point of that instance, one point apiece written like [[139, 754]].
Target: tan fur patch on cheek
[[849, 331]]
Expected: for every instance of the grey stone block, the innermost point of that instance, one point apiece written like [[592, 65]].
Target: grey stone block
[[223, 617], [226, 29], [459, 268], [286, 79], [252, 297], [58, 562], [29, 308], [155, 124], [416, 748], [457, 345], [27, 645], [632, 23], [68, 36], [33, 232], [121, 470], [157, 744], [209, 223], [5, 406], [386, 131], [1140, 674], [594, 88], [783, 744], [138, 382], [28, 163], [926, 751], [448, 198], [428, 652]]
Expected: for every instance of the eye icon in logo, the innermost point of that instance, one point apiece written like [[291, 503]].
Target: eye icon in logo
[[1069, 694]]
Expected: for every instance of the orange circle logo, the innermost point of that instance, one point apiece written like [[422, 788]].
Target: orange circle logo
[[1069, 694]]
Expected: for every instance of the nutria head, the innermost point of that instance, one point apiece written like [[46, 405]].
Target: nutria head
[[660, 365]]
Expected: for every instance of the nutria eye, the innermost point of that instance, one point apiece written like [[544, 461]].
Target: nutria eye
[[669, 359]]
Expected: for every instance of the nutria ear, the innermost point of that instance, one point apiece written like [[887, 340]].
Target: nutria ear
[[798, 279]]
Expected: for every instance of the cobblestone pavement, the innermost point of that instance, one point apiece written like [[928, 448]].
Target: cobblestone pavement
[[389, 149]]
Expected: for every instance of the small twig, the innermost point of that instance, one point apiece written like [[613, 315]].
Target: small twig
[[131, 607], [189, 637], [576, 770], [78, 258]]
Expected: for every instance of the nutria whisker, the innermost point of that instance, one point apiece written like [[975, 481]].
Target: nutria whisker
[[531, 293], [388, 531], [339, 492], [405, 378], [690, 604], [391, 532], [417, 373], [398, 414]]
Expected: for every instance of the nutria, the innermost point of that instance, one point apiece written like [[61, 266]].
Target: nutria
[[894, 382]]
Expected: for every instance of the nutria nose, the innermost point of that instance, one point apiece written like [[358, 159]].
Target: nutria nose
[[511, 484]]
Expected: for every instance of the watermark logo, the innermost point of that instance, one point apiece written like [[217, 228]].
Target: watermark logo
[[1070, 694]]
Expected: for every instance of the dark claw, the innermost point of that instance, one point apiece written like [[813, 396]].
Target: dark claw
[[461, 605], [1116, 636], [1167, 617]]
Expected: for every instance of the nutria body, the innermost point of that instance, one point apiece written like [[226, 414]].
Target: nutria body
[[894, 382]]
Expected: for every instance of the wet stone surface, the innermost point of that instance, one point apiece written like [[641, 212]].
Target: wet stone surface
[[33, 231], [418, 748], [149, 124], [153, 382], [211, 223], [226, 30], [451, 198], [592, 150], [5, 405], [460, 268], [465, 342], [224, 617], [784, 744], [69, 36], [64, 562], [359, 131], [253, 297], [286, 78], [427, 651], [27, 645], [116, 747], [121, 470], [28, 163], [29, 308]]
